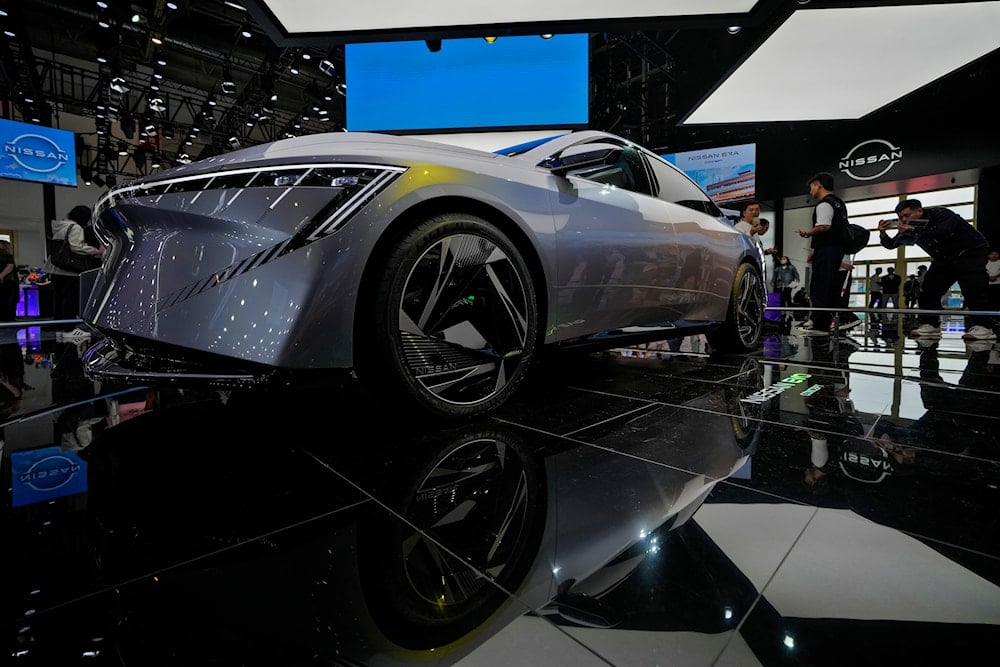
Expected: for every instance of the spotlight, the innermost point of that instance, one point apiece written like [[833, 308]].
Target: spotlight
[[167, 130], [156, 38], [228, 85], [119, 85], [245, 31], [326, 65], [547, 36], [733, 29], [122, 148], [156, 103], [234, 142], [490, 40]]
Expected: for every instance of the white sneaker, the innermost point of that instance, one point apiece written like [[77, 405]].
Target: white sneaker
[[979, 333], [926, 331], [74, 334]]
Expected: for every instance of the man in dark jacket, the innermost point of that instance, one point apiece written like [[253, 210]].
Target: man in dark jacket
[[890, 288], [958, 254], [826, 241]]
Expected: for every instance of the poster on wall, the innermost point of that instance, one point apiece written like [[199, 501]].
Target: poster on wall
[[37, 153], [727, 174]]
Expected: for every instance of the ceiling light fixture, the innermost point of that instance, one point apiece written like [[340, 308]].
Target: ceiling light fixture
[[326, 66], [546, 36], [228, 85], [156, 103], [868, 77], [733, 29], [119, 85], [490, 40]]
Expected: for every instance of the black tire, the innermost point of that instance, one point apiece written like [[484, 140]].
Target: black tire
[[455, 319], [744, 325]]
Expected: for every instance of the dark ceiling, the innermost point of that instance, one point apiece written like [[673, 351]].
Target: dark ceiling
[[645, 76]]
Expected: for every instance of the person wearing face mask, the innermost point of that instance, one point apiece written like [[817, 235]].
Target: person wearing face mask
[[786, 277]]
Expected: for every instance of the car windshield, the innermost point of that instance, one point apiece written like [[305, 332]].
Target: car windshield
[[517, 149]]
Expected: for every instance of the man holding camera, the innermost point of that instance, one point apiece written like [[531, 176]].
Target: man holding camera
[[958, 254]]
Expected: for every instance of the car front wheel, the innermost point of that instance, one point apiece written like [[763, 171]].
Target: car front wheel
[[455, 317], [741, 332]]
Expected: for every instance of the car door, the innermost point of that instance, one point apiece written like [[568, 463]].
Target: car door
[[617, 252], [708, 247]]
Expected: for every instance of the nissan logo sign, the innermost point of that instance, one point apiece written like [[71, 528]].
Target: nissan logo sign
[[870, 159], [36, 153]]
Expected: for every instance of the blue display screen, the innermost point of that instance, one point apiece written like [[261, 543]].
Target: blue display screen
[[36, 153], [521, 82]]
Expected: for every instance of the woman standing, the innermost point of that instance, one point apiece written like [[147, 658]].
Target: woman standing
[[66, 284]]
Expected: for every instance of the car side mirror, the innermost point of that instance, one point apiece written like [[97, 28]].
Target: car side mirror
[[581, 156]]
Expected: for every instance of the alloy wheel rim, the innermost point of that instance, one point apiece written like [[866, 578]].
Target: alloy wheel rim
[[750, 308], [463, 319]]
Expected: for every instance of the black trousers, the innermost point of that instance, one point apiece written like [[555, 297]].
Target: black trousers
[[824, 285], [66, 297], [967, 270]]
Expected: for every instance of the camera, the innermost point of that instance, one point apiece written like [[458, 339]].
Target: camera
[[893, 224]]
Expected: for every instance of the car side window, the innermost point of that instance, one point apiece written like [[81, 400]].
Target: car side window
[[627, 171], [673, 185]]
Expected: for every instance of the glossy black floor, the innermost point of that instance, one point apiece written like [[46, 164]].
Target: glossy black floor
[[819, 502]]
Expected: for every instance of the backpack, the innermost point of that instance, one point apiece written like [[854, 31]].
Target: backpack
[[855, 238]]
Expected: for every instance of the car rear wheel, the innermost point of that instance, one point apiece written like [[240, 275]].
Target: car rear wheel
[[744, 323], [455, 317]]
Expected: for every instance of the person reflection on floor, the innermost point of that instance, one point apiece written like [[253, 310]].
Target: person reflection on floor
[[74, 427], [957, 422], [838, 443], [12, 369]]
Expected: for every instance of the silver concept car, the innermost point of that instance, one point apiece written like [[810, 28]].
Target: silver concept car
[[433, 273]]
